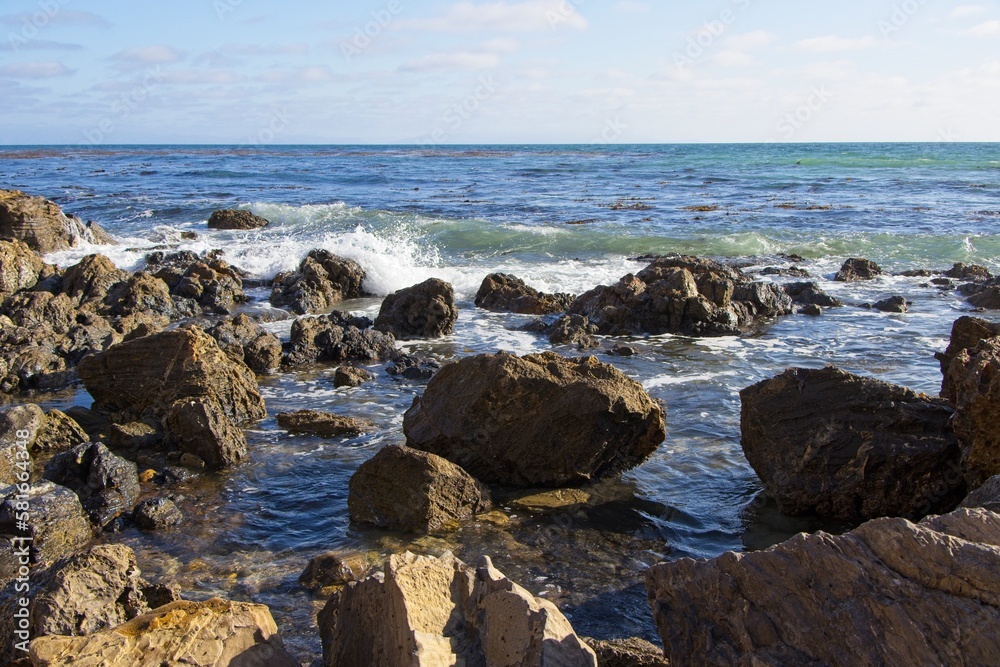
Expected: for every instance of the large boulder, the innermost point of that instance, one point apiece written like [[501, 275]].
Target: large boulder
[[966, 332], [538, 420], [827, 442], [148, 375], [57, 527], [322, 281], [426, 611], [90, 279], [207, 283], [683, 295], [201, 426], [973, 380], [506, 293], [107, 484], [214, 633], [141, 292], [426, 310], [988, 298], [42, 225], [59, 432], [888, 593], [229, 218], [19, 427], [855, 269], [406, 489], [20, 267], [335, 338], [246, 341]]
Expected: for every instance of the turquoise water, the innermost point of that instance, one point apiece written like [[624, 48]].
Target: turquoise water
[[564, 218]]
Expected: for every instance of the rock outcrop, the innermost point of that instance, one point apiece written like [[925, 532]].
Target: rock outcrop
[[323, 424], [229, 218], [973, 381], [888, 593], [58, 526], [322, 281], [538, 420], [42, 225], [213, 633], [426, 310], [405, 489], [20, 267], [107, 484], [206, 284], [246, 341], [435, 611], [810, 294], [683, 295], [842, 446], [856, 269], [966, 332], [334, 338], [506, 293]]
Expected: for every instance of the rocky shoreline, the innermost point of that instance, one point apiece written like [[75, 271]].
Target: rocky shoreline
[[172, 364]]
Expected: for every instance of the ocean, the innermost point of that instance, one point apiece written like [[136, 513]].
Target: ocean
[[565, 219]]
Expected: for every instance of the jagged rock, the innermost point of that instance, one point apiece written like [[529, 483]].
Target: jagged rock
[[631, 652], [573, 330], [38, 310], [19, 427], [986, 496], [141, 293], [107, 484], [58, 526], [138, 434], [157, 514], [210, 282], [856, 269], [42, 225], [201, 427], [323, 424], [235, 219], [812, 310], [335, 568], [90, 279], [351, 376], [404, 489], [988, 298], [315, 339], [434, 611], [20, 267], [538, 420], [59, 433], [413, 367], [888, 593], [973, 272], [213, 633], [810, 294], [149, 374], [506, 293], [974, 379], [322, 281], [838, 445], [894, 304], [685, 295], [245, 340], [966, 332], [426, 310]]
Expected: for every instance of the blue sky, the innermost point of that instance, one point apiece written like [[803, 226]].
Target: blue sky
[[511, 71]]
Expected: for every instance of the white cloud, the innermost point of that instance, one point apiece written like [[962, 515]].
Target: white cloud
[[148, 55], [750, 40], [631, 6], [833, 43], [501, 45], [732, 59], [968, 10], [985, 29], [194, 76], [313, 74], [35, 70], [455, 61], [527, 16]]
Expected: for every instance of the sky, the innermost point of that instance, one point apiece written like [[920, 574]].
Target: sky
[[508, 71]]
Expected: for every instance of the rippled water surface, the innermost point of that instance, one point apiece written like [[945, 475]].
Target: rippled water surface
[[564, 218]]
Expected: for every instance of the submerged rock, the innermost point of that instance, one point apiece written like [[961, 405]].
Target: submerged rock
[[842, 446], [538, 420], [888, 593], [42, 225], [322, 281], [856, 269], [406, 489], [973, 380], [157, 514], [323, 424], [426, 310], [893, 304], [426, 611], [506, 293], [229, 218], [200, 634], [336, 568]]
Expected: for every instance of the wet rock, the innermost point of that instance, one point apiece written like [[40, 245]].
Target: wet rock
[[318, 339], [108, 485], [623, 351], [812, 310], [246, 341], [436, 611], [20, 267], [90, 279], [351, 376], [856, 269], [336, 568], [888, 593], [200, 634], [210, 282], [95, 424], [894, 304], [792, 271], [966, 332], [405, 489], [989, 298], [201, 427], [506, 293], [631, 652], [810, 294], [323, 424], [235, 219], [42, 225], [538, 420], [971, 272], [59, 433], [137, 434], [573, 330], [685, 295], [974, 380], [322, 281], [834, 444], [413, 367], [58, 526], [157, 514], [917, 273], [148, 375], [426, 310], [549, 500]]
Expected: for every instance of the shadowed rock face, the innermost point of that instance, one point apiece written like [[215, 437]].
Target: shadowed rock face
[[229, 218], [888, 593], [426, 310], [974, 380], [538, 420], [855, 269], [42, 225], [322, 281], [842, 446], [506, 293], [966, 332]]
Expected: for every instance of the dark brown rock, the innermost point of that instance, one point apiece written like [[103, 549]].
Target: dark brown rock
[[966, 332], [838, 445], [59, 433], [235, 219], [209, 282], [426, 310], [20, 267], [107, 484], [141, 293], [351, 376], [538, 420], [974, 377], [42, 225], [631, 652], [810, 294], [888, 593], [246, 341], [506, 293], [322, 281], [201, 427], [405, 489], [893, 304], [988, 298], [573, 330], [157, 514], [323, 424], [322, 339], [336, 568], [972, 272], [91, 278], [58, 526], [856, 269], [986, 496]]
